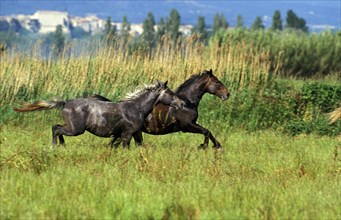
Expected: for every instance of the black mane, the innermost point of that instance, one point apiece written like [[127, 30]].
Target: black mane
[[99, 98], [190, 81]]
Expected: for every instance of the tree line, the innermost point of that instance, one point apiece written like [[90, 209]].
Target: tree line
[[10, 33], [170, 25]]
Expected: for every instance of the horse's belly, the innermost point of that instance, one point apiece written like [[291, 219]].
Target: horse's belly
[[104, 125], [160, 131], [101, 132], [105, 129]]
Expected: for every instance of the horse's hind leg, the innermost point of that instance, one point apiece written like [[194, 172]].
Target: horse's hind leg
[[61, 139], [205, 144], [60, 130], [56, 134], [195, 128]]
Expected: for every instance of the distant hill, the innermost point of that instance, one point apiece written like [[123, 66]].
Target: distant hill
[[318, 14]]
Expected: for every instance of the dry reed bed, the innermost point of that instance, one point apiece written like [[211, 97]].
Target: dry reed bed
[[106, 70]]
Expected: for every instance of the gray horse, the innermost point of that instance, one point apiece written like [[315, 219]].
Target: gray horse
[[120, 121]]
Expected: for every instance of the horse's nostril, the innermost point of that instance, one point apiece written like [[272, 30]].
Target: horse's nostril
[[182, 104], [225, 97]]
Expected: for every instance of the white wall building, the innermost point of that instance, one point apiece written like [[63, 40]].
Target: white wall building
[[45, 22], [49, 20], [136, 29], [186, 29], [91, 24]]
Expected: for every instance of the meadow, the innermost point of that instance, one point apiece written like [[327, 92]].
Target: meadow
[[281, 157], [259, 175]]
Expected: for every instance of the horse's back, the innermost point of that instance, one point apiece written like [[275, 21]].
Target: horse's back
[[75, 108]]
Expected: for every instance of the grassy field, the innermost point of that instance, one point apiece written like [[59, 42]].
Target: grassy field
[[260, 175]]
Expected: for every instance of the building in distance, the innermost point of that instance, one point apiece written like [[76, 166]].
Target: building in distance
[[44, 22], [49, 20]]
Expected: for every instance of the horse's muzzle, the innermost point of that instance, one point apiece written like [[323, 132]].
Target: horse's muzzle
[[182, 104], [225, 96], [178, 104]]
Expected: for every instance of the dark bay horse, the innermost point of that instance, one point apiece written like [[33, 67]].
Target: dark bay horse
[[165, 119], [106, 119]]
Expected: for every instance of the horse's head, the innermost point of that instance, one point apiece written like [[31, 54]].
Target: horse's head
[[168, 97], [215, 87]]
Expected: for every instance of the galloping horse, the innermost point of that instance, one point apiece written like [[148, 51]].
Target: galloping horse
[[106, 119], [164, 119]]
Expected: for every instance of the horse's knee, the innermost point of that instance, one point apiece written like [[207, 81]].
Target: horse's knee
[[55, 129]]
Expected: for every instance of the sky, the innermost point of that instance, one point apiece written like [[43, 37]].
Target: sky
[[314, 12]]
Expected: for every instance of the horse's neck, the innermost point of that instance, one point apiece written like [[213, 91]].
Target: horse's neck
[[193, 93], [145, 102]]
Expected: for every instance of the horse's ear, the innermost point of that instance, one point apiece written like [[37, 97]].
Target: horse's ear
[[210, 72], [163, 85]]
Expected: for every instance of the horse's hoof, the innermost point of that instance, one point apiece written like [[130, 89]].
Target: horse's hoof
[[202, 147], [218, 148], [139, 145]]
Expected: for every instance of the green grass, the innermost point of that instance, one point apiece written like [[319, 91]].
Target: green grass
[[263, 174], [260, 175]]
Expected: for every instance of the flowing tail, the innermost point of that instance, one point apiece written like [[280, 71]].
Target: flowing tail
[[334, 115], [40, 105]]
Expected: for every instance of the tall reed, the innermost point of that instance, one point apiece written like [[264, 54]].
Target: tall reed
[[117, 68]]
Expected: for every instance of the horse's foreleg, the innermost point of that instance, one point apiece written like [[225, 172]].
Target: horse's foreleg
[[126, 142], [126, 137], [114, 142], [195, 128], [138, 138]]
